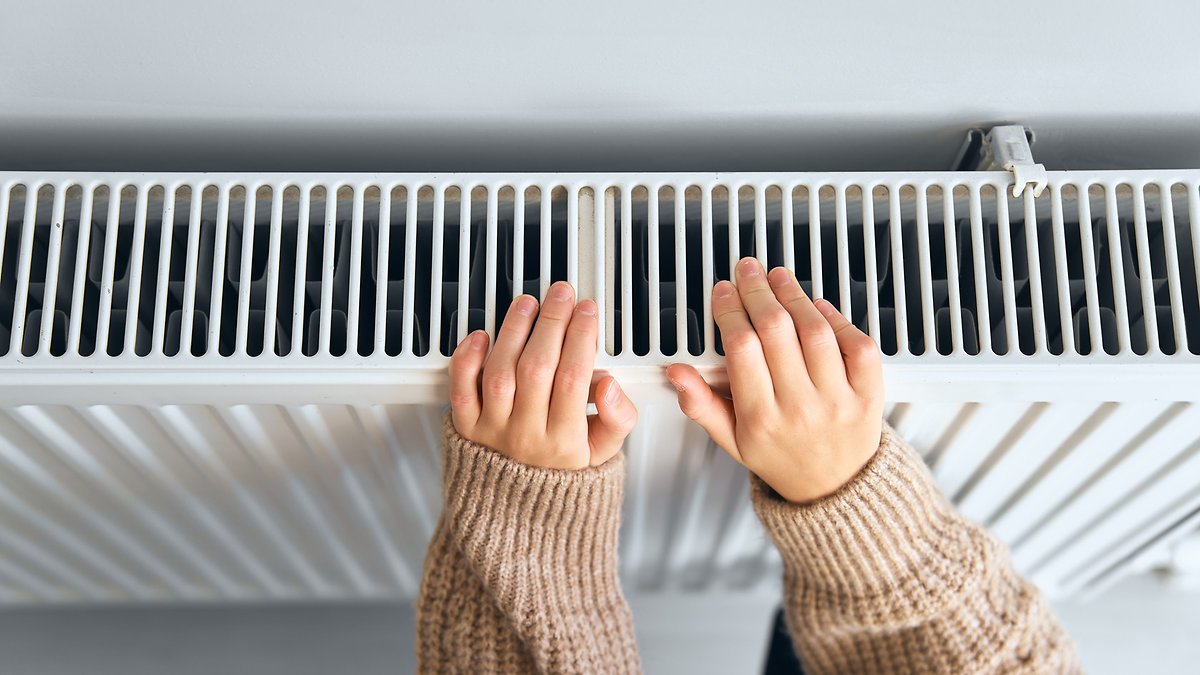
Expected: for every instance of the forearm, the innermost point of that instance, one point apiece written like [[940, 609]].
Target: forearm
[[522, 572], [884, 575]]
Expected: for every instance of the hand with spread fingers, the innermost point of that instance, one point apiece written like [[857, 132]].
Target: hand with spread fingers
[[805, 411], [527, 399]]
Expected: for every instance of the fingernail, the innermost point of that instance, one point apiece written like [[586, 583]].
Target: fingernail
[[824, 307], [561, 290], [779, 277], [614, 391], [478, 340], [525, 305], [723, 289], [676, 383], [749, 267], [587, 307]]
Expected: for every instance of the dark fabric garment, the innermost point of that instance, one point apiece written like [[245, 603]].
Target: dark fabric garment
[[781, 656]]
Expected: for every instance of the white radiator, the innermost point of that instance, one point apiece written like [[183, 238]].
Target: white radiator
[[224, 387]]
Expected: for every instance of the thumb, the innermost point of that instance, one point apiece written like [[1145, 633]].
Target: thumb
[[701, 403], [615, 417]]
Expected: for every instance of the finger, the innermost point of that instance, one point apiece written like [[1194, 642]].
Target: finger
[[749, 378], [771, 322], [818, 344], [539, 361], [500, 370], [615, 418], [574, 376], [465, 366], [790, 296], [864, 369], [701, 403]]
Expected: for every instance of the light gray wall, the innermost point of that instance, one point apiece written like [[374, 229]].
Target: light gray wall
[[623, 84], [698, 634], [1138, 626]]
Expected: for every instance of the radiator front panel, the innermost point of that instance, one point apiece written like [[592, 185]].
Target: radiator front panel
[[261, 502]]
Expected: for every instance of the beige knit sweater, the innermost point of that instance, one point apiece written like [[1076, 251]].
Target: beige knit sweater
[[884, 576]]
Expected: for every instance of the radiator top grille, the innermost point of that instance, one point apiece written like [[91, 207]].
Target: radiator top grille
[[383, 266]]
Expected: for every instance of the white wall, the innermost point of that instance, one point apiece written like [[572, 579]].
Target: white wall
[[624, 84]]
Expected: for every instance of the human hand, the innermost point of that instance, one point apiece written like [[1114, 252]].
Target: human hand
[[528, 401], [807, 386]]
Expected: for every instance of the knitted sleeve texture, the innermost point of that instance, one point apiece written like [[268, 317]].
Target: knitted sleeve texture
[[521, 574], [885, 576]]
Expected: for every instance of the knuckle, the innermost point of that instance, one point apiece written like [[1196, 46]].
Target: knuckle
[[847, 413], [873, 347], [815, 412], [552, 314], [739, 342], [585, 334], [629, 421], [523, 441], [775, 320], [752, 293], [793, 302], [795, 410], [514, 328], [816, 333], [584, 330], [574, 377], [458, 363], [757, 424], [864, 351], [690, 408], [727, 314], [692, 412], [500, 384], [751, 437], [523, 432], [536, 367], [789, 293], [461, 399]]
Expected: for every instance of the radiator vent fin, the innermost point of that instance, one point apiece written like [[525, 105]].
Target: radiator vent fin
[[199, 266]]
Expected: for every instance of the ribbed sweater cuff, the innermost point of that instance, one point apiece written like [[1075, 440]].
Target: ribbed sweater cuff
[[887, 532], [553, 528]]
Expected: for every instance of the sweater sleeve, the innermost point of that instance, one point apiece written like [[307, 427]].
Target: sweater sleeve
[[885, 576], [521, 574]]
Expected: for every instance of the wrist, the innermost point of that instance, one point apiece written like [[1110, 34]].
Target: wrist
[[808, 491], [824, 470], [492, 500], [883, 527]]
